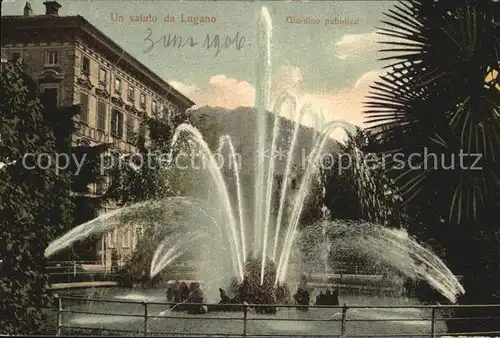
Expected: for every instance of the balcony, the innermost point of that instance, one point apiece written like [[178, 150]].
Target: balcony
[[102, 90], [121, 144], [99, 136], [117, 100]]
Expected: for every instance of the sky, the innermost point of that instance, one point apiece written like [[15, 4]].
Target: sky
[[329, 66]]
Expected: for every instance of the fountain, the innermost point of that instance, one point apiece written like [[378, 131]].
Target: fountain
[[266, 265]]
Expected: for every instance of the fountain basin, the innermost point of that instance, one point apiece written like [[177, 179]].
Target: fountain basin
[[402, 321]]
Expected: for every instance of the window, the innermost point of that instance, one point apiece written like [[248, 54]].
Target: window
[[86, 65], [143, 100], [167, 113], [137, 233], [109, 239], [116, 123], [112, 238], [131, 93], [118, 85], [115, 236], [126, 238], [103, 76], [130, 128], [50, 97], [101, 116], [134, 238], [14, 56], [143, 131], [52, 58], [84, 107], [154, 106]]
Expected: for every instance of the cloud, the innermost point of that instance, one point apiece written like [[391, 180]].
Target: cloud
[[353, 46], [345, 104], [367, 79], [356, 46], [348, 103], [220, 91]]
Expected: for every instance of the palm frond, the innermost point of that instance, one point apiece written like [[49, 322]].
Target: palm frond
[[441, 92]]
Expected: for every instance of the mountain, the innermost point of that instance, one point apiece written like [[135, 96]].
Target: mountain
[[241, 125]]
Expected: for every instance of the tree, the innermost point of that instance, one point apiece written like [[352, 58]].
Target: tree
[[145, 175], [40, 199], [442, 95], [440, 100], [357, 187], [210, 129], [34, 202]]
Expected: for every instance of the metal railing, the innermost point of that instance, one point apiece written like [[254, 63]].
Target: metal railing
[[436, 316]]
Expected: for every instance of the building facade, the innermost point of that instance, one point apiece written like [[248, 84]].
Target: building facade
[[73, 62]]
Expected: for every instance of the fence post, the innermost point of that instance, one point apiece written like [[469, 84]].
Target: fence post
[[344, 319], [146, 329], [59, 314], [433, 322], [245, 314]]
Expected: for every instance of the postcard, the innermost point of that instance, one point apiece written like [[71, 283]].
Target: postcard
[[249, 168]]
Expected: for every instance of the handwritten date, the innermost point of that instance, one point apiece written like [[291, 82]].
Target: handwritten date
[[214, 42]]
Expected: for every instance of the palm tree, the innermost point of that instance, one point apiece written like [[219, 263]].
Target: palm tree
[[440, 103], [442, 94]]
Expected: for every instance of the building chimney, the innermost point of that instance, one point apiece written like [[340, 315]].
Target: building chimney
[[52, 8], [27, 10]]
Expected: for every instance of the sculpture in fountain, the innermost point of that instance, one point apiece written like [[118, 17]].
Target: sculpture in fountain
[[251, 291], [328, 298]]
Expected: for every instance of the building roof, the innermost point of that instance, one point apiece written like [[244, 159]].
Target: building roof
[[20, 22]]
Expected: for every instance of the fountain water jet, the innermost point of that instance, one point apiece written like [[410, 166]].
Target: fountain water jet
[[176, 245], [288, 167], [392, 247], [270, 173], [216, 175], [311, 168], [263, 192], [226, 139], [111, 220], [262, 101]]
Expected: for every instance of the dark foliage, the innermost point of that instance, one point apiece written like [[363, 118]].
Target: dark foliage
[[137, 266], [251, 290], [136, 182], [441, 96], [442, 93], [34, 203], [356, 186]]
